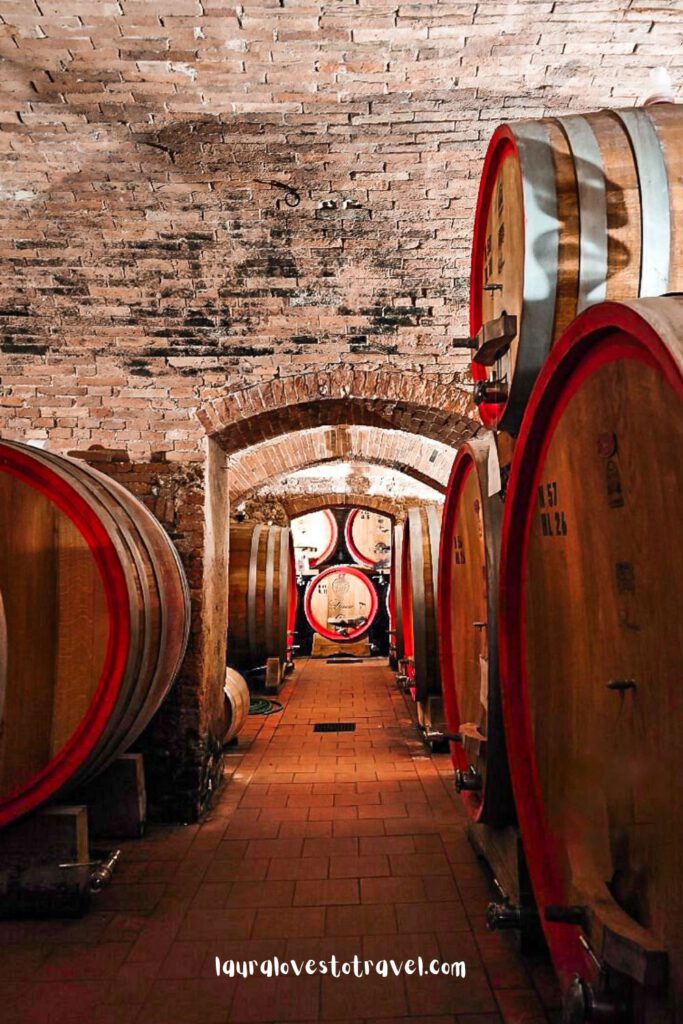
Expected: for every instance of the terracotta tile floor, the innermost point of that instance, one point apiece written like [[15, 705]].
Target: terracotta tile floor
[[320, 844]]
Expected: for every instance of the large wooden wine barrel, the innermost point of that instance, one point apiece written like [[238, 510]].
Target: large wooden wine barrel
[[262, 595], [419, 572], [395, 600], [572, 211], [368, 538], [315, 536], [468, 629], [97, 612], [592, 649], [341, 603]]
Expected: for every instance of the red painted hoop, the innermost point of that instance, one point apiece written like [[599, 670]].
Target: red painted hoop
[[348, 570], [602, 334], [502, 146], [74, 754]]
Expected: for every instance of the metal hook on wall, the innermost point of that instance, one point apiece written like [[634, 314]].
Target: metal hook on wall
[[292, 197]]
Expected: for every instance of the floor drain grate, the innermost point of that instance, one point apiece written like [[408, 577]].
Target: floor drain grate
[[334, 727]]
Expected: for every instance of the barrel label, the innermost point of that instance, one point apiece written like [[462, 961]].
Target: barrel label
[[553, 519], [459, 554]]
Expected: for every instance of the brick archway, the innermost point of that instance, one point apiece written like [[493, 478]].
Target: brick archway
[[378, 398], [424, 459], [300, 504]]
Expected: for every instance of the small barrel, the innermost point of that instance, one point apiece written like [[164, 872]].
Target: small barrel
[[316, 538], [468, 630], [237, 702], [97, 613], [419, 571], [572, 211], [341, 603], [262, 595], [591, 652], [368, 538]]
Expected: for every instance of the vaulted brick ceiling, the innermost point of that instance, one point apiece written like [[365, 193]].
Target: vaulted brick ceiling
[[355, 483], [152, 260], [423, 460]]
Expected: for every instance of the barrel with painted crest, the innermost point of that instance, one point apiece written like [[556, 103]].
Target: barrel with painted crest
[[572, 211], [341, 603], [591, 651], [97, 621], [262, 595]]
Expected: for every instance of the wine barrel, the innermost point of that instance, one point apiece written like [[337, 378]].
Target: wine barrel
[[419, 570], [237, 702], [341, 603], [468, 629], [395, 601], [262, 595], [591, 653], [571, 211], [316, 537], [3, 658], [368, 538], [97, 611]]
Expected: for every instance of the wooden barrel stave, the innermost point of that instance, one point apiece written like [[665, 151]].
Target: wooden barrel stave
[[590, 209], [262, 595], [468, 628], [590, 578], [419, 569], [106, 658]]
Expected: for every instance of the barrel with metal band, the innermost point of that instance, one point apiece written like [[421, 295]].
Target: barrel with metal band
[[468, 630], [236, 704], [394, 598], [572, 211], [262, 595], [316, 537], [419, 571], [97, 614], [368, 538], [591, 652], [341, 603]]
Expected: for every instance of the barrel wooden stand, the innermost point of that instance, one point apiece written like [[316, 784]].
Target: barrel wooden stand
[[591, 651], [420, 663]]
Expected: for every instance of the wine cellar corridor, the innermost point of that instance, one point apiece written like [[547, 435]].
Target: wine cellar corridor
[[341, 466], [322, 844]]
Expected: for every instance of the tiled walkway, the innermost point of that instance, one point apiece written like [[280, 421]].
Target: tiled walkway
[[320, 844]]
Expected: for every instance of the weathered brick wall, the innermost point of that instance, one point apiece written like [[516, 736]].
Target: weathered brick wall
[[147, 266]]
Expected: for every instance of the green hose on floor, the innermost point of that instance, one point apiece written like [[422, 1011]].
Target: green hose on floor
[[263, 706]]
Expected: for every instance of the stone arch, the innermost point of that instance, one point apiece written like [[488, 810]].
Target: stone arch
[[376, 398]]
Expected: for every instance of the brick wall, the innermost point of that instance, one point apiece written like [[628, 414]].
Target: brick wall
[[147, 265]]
